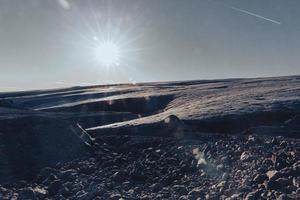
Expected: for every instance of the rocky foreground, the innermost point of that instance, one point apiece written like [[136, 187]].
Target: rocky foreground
[[211, 167]]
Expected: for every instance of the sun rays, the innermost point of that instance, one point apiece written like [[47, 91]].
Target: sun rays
[[108, 53]]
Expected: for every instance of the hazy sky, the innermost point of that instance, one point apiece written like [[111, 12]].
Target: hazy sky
[[50, 43]]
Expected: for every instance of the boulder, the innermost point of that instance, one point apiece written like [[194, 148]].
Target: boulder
[[280, 183], [176, 126], [260, 178], [280, 160]]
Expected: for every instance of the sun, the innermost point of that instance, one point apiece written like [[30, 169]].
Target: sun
[[108, 53]]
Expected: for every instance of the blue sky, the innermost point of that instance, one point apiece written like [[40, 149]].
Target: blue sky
[[49, 44]]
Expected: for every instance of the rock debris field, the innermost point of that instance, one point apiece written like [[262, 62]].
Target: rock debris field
[[218, 139]]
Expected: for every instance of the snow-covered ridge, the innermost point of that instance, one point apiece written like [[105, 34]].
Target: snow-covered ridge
[[195, 102]]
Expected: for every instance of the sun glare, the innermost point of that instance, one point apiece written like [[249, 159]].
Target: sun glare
[[108, 53]]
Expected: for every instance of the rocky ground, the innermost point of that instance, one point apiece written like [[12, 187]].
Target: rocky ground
[[214, 139], [218, 167]]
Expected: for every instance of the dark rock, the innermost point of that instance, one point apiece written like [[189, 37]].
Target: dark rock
[[65, 192], [118, 176], [276, 184], [115, 196], [290, 189], [225, 176], [137, 173], [266, 164], [296, 169], [267, 130], [288, 197], [177, 127], [50, 179], [260, 178], [283, 144], [83, 196], [170, 178], [252, 195], [47, 171], [220, 167], [145, 197], [286, 172], [87, 169], [181, 189], [155, 187], [245, 188], [234, 197], [296, 182], [184, 197], [68, 175], [280, 160], [196, 193], [283, 182], [54, 187], [26, 194], [3, 191]]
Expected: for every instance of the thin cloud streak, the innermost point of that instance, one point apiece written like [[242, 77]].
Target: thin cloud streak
[[64, 4], [255, 15]]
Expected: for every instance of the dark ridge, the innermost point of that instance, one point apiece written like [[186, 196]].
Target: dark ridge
[[239, 123], [31, 143], [99, 119], [58, 99], [263, 123], [42, 95], [137, 105], [171, 127], [218, 87], [174, 83], [6, 103], [268, 80], [38, 92], [24, 94], [187, 83]]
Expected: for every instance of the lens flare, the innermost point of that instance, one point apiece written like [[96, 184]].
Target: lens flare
[[108, 53]]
